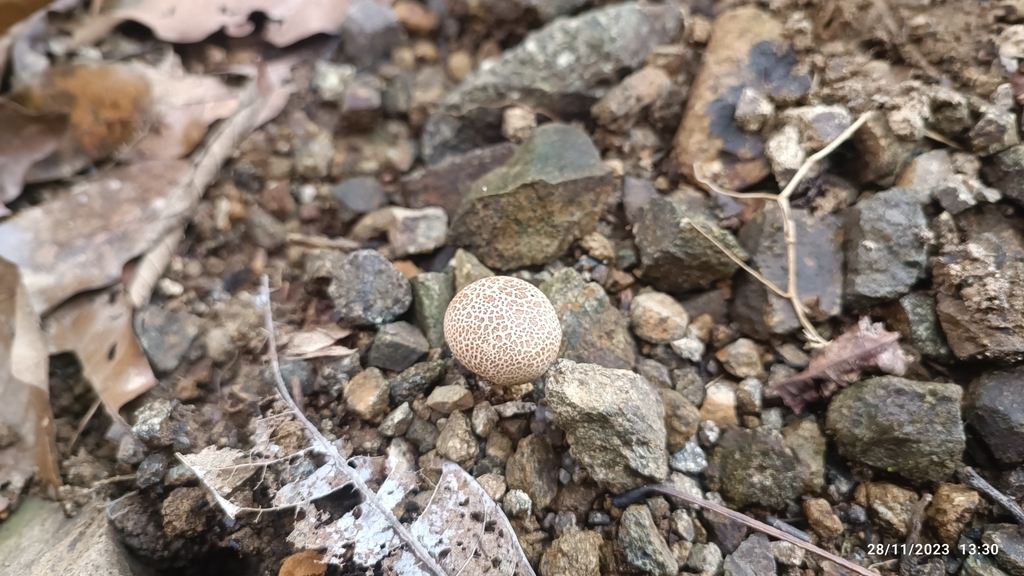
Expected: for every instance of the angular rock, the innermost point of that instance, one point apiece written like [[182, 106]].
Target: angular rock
[[397, 422], [518, 123], [534, 470], [657, 317], [995, 408], [369, 32], [785, 155], [915, 318], [644, 547], [614, 423], [445, 184], [817, 125], [357, 196], [397, 346], [558, 177], [484, 419], [753, 109], [995, 131], [457, 442], [314, 154], [819, 253], [690, 459], [517, 504], [681, 419], [165, 336], [162, 423], [655, 372], [593, 330], [424, 434], [809, 445], [952, 510], [980, 301], [431, 294], [886, 246], [746, 49], [910, 428], [1006, 172], [705, 559], [468, 269], [1010, 544], [675, 256], [367, 395], [881, 155], [753, 558], [787, 553], [742, 359], [622, 106], [415, 380], [367, 289], [575, 553], [330, 79], [417, 231], [979, 565], [447, 399], [754, 467], [927, 173], [719, 404], [891, 505], [822, 519]]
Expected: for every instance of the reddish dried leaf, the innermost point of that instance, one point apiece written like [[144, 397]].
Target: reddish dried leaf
[[864, 346], [14, 11], [27, 445], [28, 138], [97, 327]]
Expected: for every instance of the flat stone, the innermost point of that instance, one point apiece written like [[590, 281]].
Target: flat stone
[[457, 442], [754, 467], [367, 289], [367, 395], [556, 175], [909, 428], [165, 336], [534, 470], [444, 184], [952, 510], [397, 422], [719, 404], [994, 132], [397, 346], [415, 380], [752, 558], [431, 294], [819, 252], [447, 399], [995, 409], [657, 317], [574, 553], [614, 423], [675, 256], [746, 49], [915, 318], [817, 125], [886, 246], [891, 505], [644, 547], [358, 196]]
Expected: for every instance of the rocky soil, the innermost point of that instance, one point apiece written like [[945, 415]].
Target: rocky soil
[[563, 143]]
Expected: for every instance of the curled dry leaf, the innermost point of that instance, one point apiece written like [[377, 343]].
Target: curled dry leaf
[[97, 327], [864, 346], [27, 433], [28, 138], [186, 21], [317, 342]]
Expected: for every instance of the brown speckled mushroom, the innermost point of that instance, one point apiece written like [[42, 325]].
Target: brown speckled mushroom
[[503, 329]]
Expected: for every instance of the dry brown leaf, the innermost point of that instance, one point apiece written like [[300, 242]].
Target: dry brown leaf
[[27, 139], [27, 441], [316, 342], [107, 107], [97, 327], [187, 21], [863, 346], [14, 11]]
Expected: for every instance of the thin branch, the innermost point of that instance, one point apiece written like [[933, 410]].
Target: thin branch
[[628, 498], [331, 450], [85, 422], [737, 260], [972, 479], [909, 560], [343, 244], [822, 154]]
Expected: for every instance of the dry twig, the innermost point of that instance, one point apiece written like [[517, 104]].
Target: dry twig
[[972, 479], [789, 228], [624, 500], [909, 560], [343, 244]]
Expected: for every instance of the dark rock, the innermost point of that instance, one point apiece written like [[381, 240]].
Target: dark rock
[[415, 380], [644, 547], [367, 289], [369, 32], [675, 256], [357, 196], [1007, 537], [423, 434], [746, 49], [980, 300], [886, 246], [881, 155], [995, 408], [754, 467], [1006, 172], [446, 135], [558, 176], [431, 294], [151, 471], [163, 423], [397, 346], [165, 336], [910, 428], [980, 565], [753, 558], [760, 312], [534, 470], [613, 421], [636, 195], [445, 183], [593, 330], [915, 318], [995, 131]]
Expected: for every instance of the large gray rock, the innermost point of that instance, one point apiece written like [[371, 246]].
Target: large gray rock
[[995, 408], [613, 421], [366, 288], [564, 67], [593, 330], [165, 336], [444, 184], [431, 294], [886, 246], [397, 346], [761, 312], [530, 210], [753, 558], [754, 467], [910, 428], [674, 254], [644, 547]]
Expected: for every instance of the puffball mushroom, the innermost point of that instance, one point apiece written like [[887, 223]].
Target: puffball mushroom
[[503, 329]]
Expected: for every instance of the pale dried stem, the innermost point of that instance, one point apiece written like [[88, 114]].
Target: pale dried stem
[[908, 561], [972, 479], [343, 244], [788, 226], [331, 451]]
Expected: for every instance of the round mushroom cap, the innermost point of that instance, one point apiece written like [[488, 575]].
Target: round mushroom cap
[[503, 329]]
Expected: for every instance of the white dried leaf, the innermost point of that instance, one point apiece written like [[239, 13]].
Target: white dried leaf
[[323, 481]]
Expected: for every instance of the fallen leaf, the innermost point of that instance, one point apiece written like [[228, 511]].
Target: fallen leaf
[[27, 139], [97, 327], [864, 346], [107, 107], [27, 441], [316, 342], [187, 21], [14, 11]]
